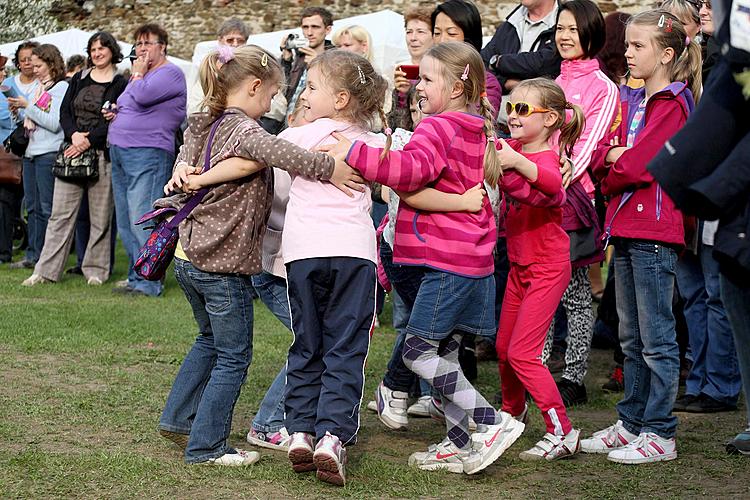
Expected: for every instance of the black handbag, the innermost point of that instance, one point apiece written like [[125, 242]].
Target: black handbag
[[82, 168], [17, 141]]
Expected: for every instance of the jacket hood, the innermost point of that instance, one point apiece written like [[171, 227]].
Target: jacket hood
[[673, 90]]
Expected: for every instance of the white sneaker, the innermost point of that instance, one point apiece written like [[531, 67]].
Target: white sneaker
[[94, 281], [523, 417], [606, 440], [392, 407], [552, 447], [446, 456], [301, 452], [647, 447], [421, 408], [35, 279], [330, 460], [493, 440], [236, 459], [278, 440], [372, 406]]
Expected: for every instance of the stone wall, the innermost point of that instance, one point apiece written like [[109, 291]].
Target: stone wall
[[191, 21]]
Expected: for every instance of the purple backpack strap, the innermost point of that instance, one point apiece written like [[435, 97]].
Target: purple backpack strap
[[198, 196]]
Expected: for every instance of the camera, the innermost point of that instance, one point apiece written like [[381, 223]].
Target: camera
[[294, 41], [132, 56]]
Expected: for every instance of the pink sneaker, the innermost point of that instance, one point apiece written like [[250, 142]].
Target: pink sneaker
[[330, 459], [278, 440], [301, 452]]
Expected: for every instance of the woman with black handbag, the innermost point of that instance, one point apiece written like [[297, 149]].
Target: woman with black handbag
[[42, 126], [82, 167]]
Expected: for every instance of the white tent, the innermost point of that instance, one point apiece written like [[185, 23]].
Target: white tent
[[73, 41], [385, 27]]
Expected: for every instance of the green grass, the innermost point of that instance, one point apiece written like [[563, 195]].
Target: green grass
[[85, 374]]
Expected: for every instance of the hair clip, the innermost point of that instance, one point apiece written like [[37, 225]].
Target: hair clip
[[687, 41], [361, 73], [387, 131], [668, 29], [465, 76], [264, 60], [482, 94], [568, 105], [226, 54], [662, 19], [491, 138]]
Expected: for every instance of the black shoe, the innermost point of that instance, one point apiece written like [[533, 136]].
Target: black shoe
[[707, 404], [572, 394], [616, 381], [74, 270], [485, 351], [556, 361], [683, 402]]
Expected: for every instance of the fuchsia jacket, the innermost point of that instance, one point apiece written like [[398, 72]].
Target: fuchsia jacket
[[649, 214]]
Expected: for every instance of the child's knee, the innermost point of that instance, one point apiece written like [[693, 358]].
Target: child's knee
[[415, 348]]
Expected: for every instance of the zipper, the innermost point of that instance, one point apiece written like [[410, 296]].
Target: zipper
[[608, 229], [658, 202]]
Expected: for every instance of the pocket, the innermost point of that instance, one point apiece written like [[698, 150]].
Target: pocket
[[214, 289]]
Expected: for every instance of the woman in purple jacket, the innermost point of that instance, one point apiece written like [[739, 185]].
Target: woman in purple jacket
[[142, 143]]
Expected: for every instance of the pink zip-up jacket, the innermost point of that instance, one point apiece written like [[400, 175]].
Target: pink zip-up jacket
[[321, 221], [446, 152], [588, 87]]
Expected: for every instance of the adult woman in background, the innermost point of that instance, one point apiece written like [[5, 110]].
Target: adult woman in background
[[42, 125], [354, 39], [85, 128]]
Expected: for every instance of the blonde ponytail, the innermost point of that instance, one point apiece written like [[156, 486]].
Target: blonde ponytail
[[571, 130], [215, 96], [388, 136], [689, 67], [493, 169]]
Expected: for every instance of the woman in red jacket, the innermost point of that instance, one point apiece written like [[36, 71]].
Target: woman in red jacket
[[646, 231]]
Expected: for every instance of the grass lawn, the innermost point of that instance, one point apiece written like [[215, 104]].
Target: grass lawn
[[85, 374]]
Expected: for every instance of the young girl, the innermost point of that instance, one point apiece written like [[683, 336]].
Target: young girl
[[329, 249], [646, 230], [220, 247], [579, 37], [539, 256], [449, 254]]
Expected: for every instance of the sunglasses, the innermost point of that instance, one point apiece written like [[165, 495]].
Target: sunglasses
[[523, 109]]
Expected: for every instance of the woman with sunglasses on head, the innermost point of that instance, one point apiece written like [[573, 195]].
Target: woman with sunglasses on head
[[142, 143], [579, 36]]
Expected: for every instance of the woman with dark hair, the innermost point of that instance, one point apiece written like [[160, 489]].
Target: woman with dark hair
[[612, 56], [459, 20], [84, 128], [42, 125]]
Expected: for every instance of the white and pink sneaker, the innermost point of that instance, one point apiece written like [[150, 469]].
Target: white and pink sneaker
[[606, 440], [301, 452], [330, 460], [646, 448]]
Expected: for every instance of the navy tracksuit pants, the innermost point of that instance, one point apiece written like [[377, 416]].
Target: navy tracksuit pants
[[332, 301]]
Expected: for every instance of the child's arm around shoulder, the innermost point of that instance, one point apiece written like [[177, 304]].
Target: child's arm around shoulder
[[432, 200]]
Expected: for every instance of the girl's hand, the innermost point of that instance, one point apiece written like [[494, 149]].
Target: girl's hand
[[192, 184], [345, 178], [17, 103], [473, 199], [566, 169], [508, 156], [338, 150], [616, 152], [400, 82], [180, 177]]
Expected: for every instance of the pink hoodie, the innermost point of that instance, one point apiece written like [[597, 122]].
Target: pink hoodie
[[321, 221], [588, 87]]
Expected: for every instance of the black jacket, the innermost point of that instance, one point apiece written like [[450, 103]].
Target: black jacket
[[542, 60], [97, 135], [705, 169]]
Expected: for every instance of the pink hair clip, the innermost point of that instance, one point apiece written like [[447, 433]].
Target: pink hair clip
[[687, 41], [387, 131], [668, 29], [465, 76], [226, 54]]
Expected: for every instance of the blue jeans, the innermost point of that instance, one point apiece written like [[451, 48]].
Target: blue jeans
[[272, 292], [38, 188], [714, 372], [736, 299], [138, 178], [208, 383], [645, 286]]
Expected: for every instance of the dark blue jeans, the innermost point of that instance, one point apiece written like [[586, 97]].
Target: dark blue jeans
[[38, 188], [645, 286], [208, 383]]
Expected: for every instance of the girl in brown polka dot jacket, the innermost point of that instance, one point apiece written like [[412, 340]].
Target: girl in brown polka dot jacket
[[221, 240]]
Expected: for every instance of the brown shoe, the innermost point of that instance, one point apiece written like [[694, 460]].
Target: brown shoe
[[180, 440]]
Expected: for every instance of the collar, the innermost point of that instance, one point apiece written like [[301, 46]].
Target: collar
[[549, 20]]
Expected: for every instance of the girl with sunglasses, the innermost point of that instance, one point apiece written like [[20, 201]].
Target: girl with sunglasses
[[579, 36], [539, 256]]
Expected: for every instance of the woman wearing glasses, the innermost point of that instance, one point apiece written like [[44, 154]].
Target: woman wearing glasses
[[142, 143]]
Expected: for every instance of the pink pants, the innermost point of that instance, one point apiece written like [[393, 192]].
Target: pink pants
[[531, 298]]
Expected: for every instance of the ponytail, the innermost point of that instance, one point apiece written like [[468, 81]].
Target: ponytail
[[689, 68], [215, 97], [493, 169], [571, 130]]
